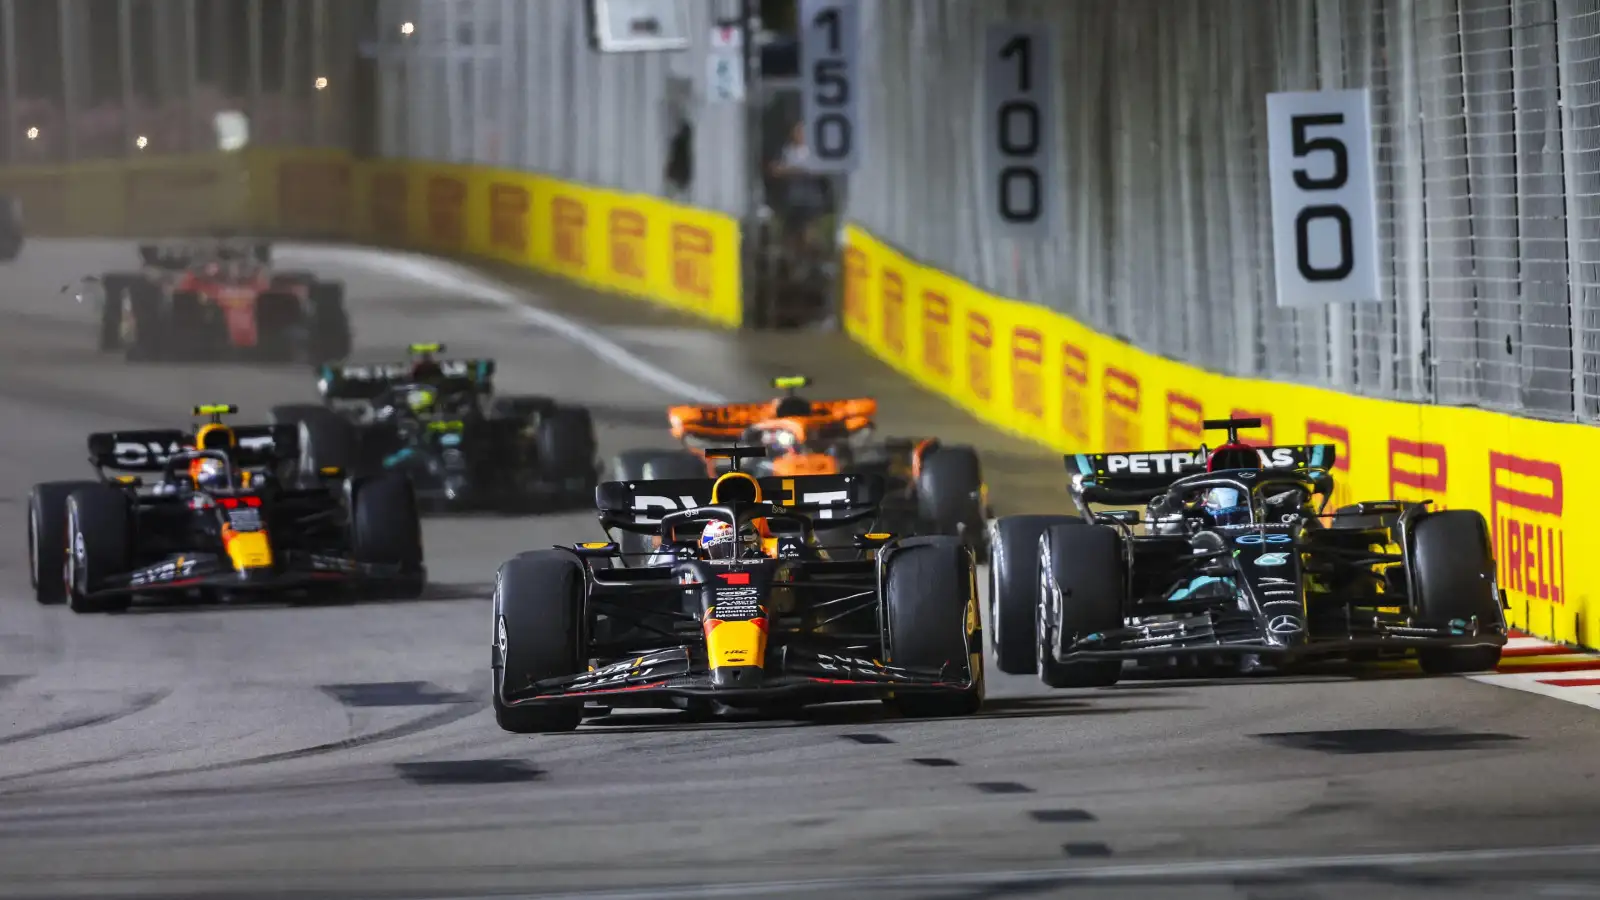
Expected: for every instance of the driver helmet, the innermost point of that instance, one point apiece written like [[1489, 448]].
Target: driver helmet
[[425, 367], [719, 540], [421, 401], [1225, 506], [209, 474]]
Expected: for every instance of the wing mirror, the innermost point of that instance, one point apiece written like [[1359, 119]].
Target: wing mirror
[[1129, 517]]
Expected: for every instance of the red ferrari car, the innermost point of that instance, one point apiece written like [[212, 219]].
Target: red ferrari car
[[222, 301]]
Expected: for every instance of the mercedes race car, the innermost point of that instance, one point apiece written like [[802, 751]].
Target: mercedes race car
[[221, 300], [740, 608], [1233, 559], [439, 422], [931, 487], [217, 519]]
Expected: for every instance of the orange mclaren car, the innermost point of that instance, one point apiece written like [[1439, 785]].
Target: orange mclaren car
[[934, 488]]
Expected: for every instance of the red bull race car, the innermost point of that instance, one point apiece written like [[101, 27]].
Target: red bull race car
[[220, 301], [218, 520], [740, 608]]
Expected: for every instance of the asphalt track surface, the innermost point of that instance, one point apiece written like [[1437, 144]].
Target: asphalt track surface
[[347, 751]]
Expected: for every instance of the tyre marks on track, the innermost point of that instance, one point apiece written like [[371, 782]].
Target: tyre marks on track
[[135, 705]]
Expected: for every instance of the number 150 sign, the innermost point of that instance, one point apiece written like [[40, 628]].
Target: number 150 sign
[[1324, 212]]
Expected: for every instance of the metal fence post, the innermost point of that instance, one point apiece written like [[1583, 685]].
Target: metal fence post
[[8, 25], [69, 78]]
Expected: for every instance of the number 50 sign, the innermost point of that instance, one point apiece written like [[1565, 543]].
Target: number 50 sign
[[1324, 213]]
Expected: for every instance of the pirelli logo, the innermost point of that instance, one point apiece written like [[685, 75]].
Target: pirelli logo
[[980, 348], [1185, 421], [936, 333], [1525, 504], [693, 249], [1418, 471], [1075, 392], [447, 210], [894, 312], [628, 231], [1027, 372], [387, 203], [1328, 433], [509, 206], [857, 275], [569, 232], [1266, 434], [1121, 410]]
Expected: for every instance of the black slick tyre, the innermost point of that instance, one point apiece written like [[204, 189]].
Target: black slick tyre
[[950, 494], [565, 443], [1082, 591], [327, 439], [387, 531], [146, 308], [1454, 581], [330, 336], [47, 539], [99, 545], [538, 634], [930, 620], [1014, 590]]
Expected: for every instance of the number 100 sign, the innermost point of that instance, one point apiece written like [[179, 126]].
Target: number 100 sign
[[1324, 212]]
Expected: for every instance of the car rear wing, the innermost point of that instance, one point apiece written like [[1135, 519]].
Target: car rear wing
[[1122, 478], [150, 450], [364, 382], [643, 503]]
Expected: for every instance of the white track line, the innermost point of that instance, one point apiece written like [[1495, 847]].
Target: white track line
[[458, 279], [1187, 869]]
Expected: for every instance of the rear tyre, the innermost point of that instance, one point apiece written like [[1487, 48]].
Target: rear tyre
[[115, 288], [388, 531], [147, 309], [1082, 592], [330, 336], [99, 529], [327, 439], [1455, 582], [566, 444], [930, 601], [1014, 590], [950, 495], [538, 633], [280, 326], [47, 539]]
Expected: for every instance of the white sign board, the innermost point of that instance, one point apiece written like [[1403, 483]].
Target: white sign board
[[725, 65], [1019, 136], [1324, 210], [831, 78]]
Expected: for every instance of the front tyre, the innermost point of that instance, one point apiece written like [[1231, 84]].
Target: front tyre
[[99, 534], [930, 600], [1014, 590], [48, 539], [387, 531], [1454, 575], [538, 634], [1082, 592]]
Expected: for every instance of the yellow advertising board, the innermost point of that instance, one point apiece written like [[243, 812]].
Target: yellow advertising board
[[632, 244], [1040, 375]]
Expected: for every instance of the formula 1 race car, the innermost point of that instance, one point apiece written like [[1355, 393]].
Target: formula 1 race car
[[218, 520], [439, 422], [11, 232], [220, 300], [1233, 562], [932, 487], [741, 608]]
